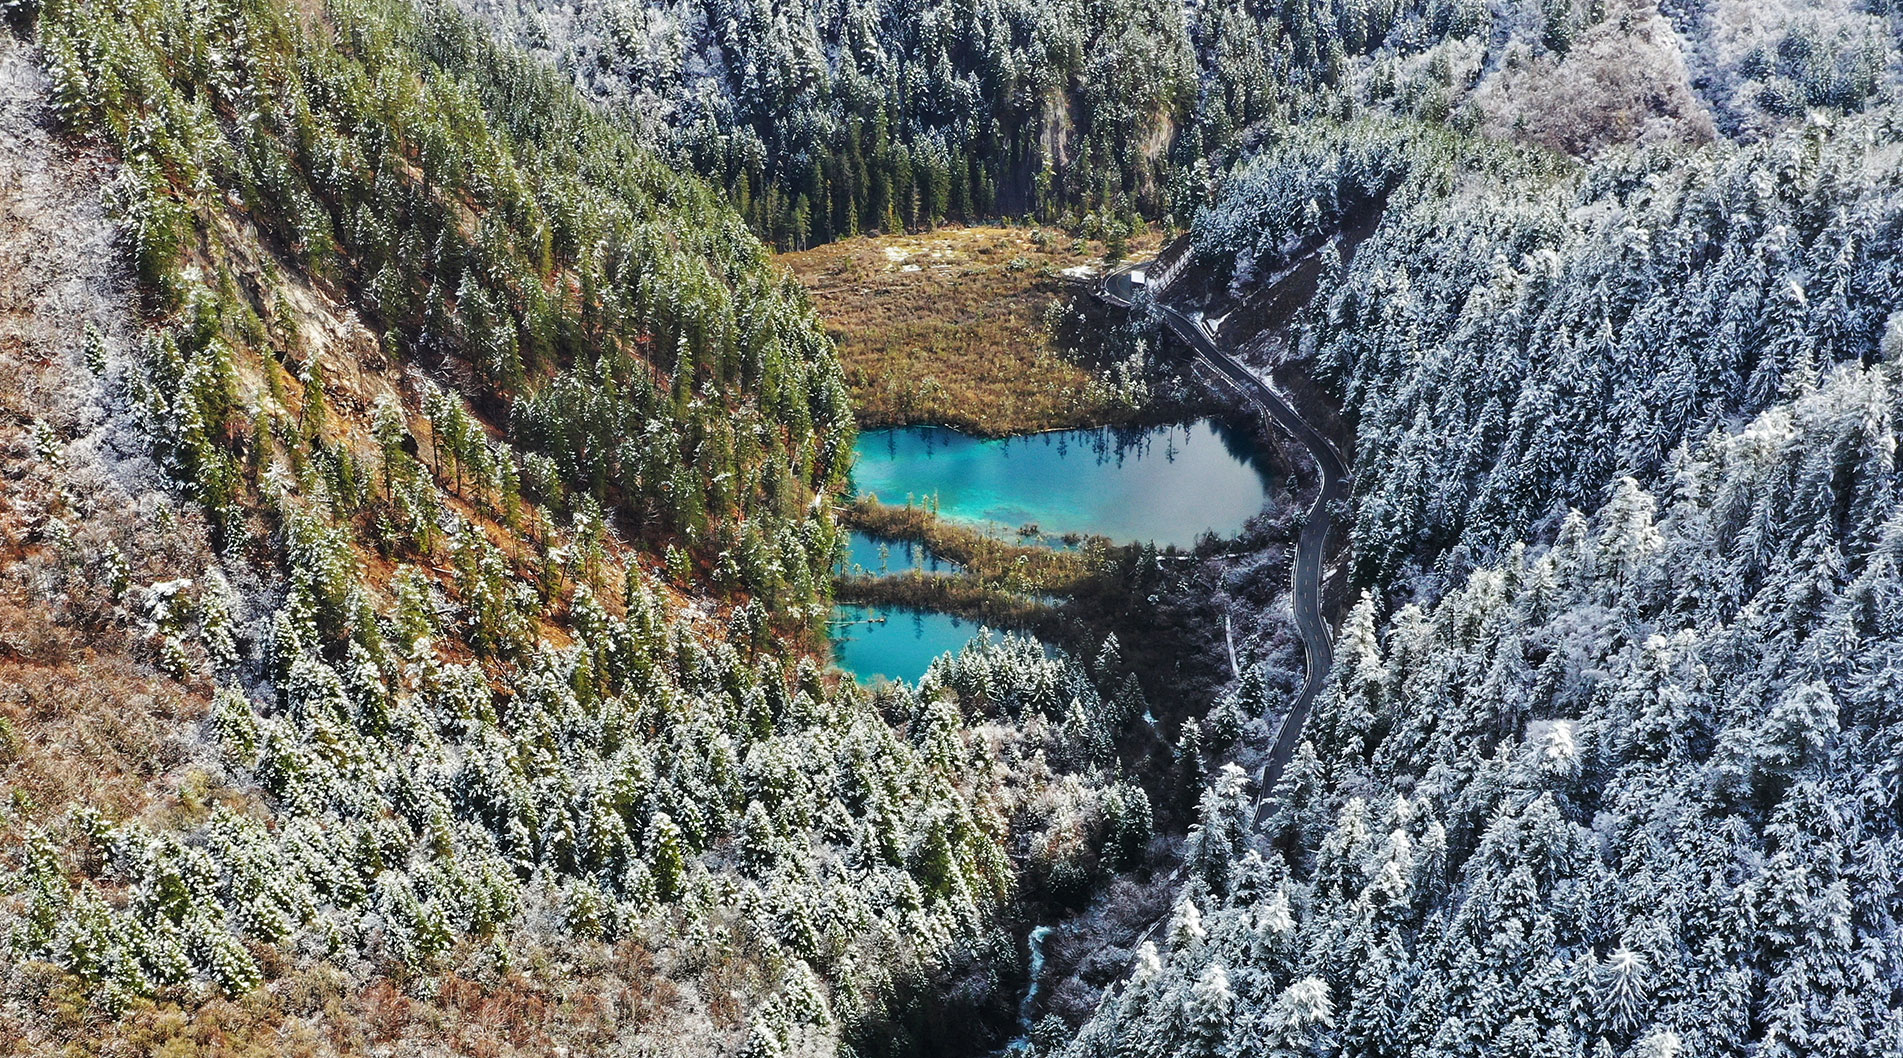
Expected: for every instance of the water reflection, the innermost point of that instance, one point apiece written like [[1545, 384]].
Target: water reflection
[[894, 643], [870, 556], [1167, 484]]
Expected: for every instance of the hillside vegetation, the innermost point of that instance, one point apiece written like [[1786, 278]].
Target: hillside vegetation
[[423, 494], [1630, 792], [1606, 764], [824, 121], [444, 501]]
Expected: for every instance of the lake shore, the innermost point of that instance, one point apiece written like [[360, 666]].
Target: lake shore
[[1002, 531]]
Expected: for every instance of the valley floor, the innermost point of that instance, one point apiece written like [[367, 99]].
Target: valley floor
[[968, 327]]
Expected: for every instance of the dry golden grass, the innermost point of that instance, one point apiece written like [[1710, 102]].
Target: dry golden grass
[[947, 327], [1027, 567], [583, 1005]]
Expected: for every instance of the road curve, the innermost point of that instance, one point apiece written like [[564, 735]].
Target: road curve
[[1120, 288]]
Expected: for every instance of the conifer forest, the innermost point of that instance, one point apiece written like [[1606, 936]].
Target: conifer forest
[[951, 529]]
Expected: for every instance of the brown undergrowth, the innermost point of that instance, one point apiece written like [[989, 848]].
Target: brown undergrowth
[[93, 712], [955, 327], [999, 581]]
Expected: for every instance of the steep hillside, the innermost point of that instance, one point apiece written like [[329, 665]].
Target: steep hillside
[[1634, 792], [422, 494], [1518, 332], [419, 511], [1608, 783], [825, 121], [86, 525]]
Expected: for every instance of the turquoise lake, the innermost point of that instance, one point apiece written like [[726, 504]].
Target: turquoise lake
[[894, 643], [1168, 485]]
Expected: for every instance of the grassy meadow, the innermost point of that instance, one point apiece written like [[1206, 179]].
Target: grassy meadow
[[959, 327]]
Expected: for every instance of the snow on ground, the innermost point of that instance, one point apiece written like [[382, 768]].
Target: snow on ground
[[58, 271], [69, 447], [1624, 80], [1741, 25]]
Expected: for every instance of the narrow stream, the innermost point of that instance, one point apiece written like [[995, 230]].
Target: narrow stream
[[1126, 492], [1027, 1007]]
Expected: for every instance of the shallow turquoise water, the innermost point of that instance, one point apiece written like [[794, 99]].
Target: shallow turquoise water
[[894, 643], [879, 557], [1168, 485]]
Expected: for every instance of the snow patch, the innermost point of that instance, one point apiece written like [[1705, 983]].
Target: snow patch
[[69, 347]]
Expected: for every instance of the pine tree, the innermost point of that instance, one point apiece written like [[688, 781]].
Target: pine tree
[[666, 856]]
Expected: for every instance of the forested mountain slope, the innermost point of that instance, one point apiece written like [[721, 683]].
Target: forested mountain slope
[[433, 491], [1618, 782], [418, 518], [1633, 792], [828, 119], [1518, 332]]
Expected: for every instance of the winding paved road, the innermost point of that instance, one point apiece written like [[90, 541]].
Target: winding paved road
[[1120, 288]]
